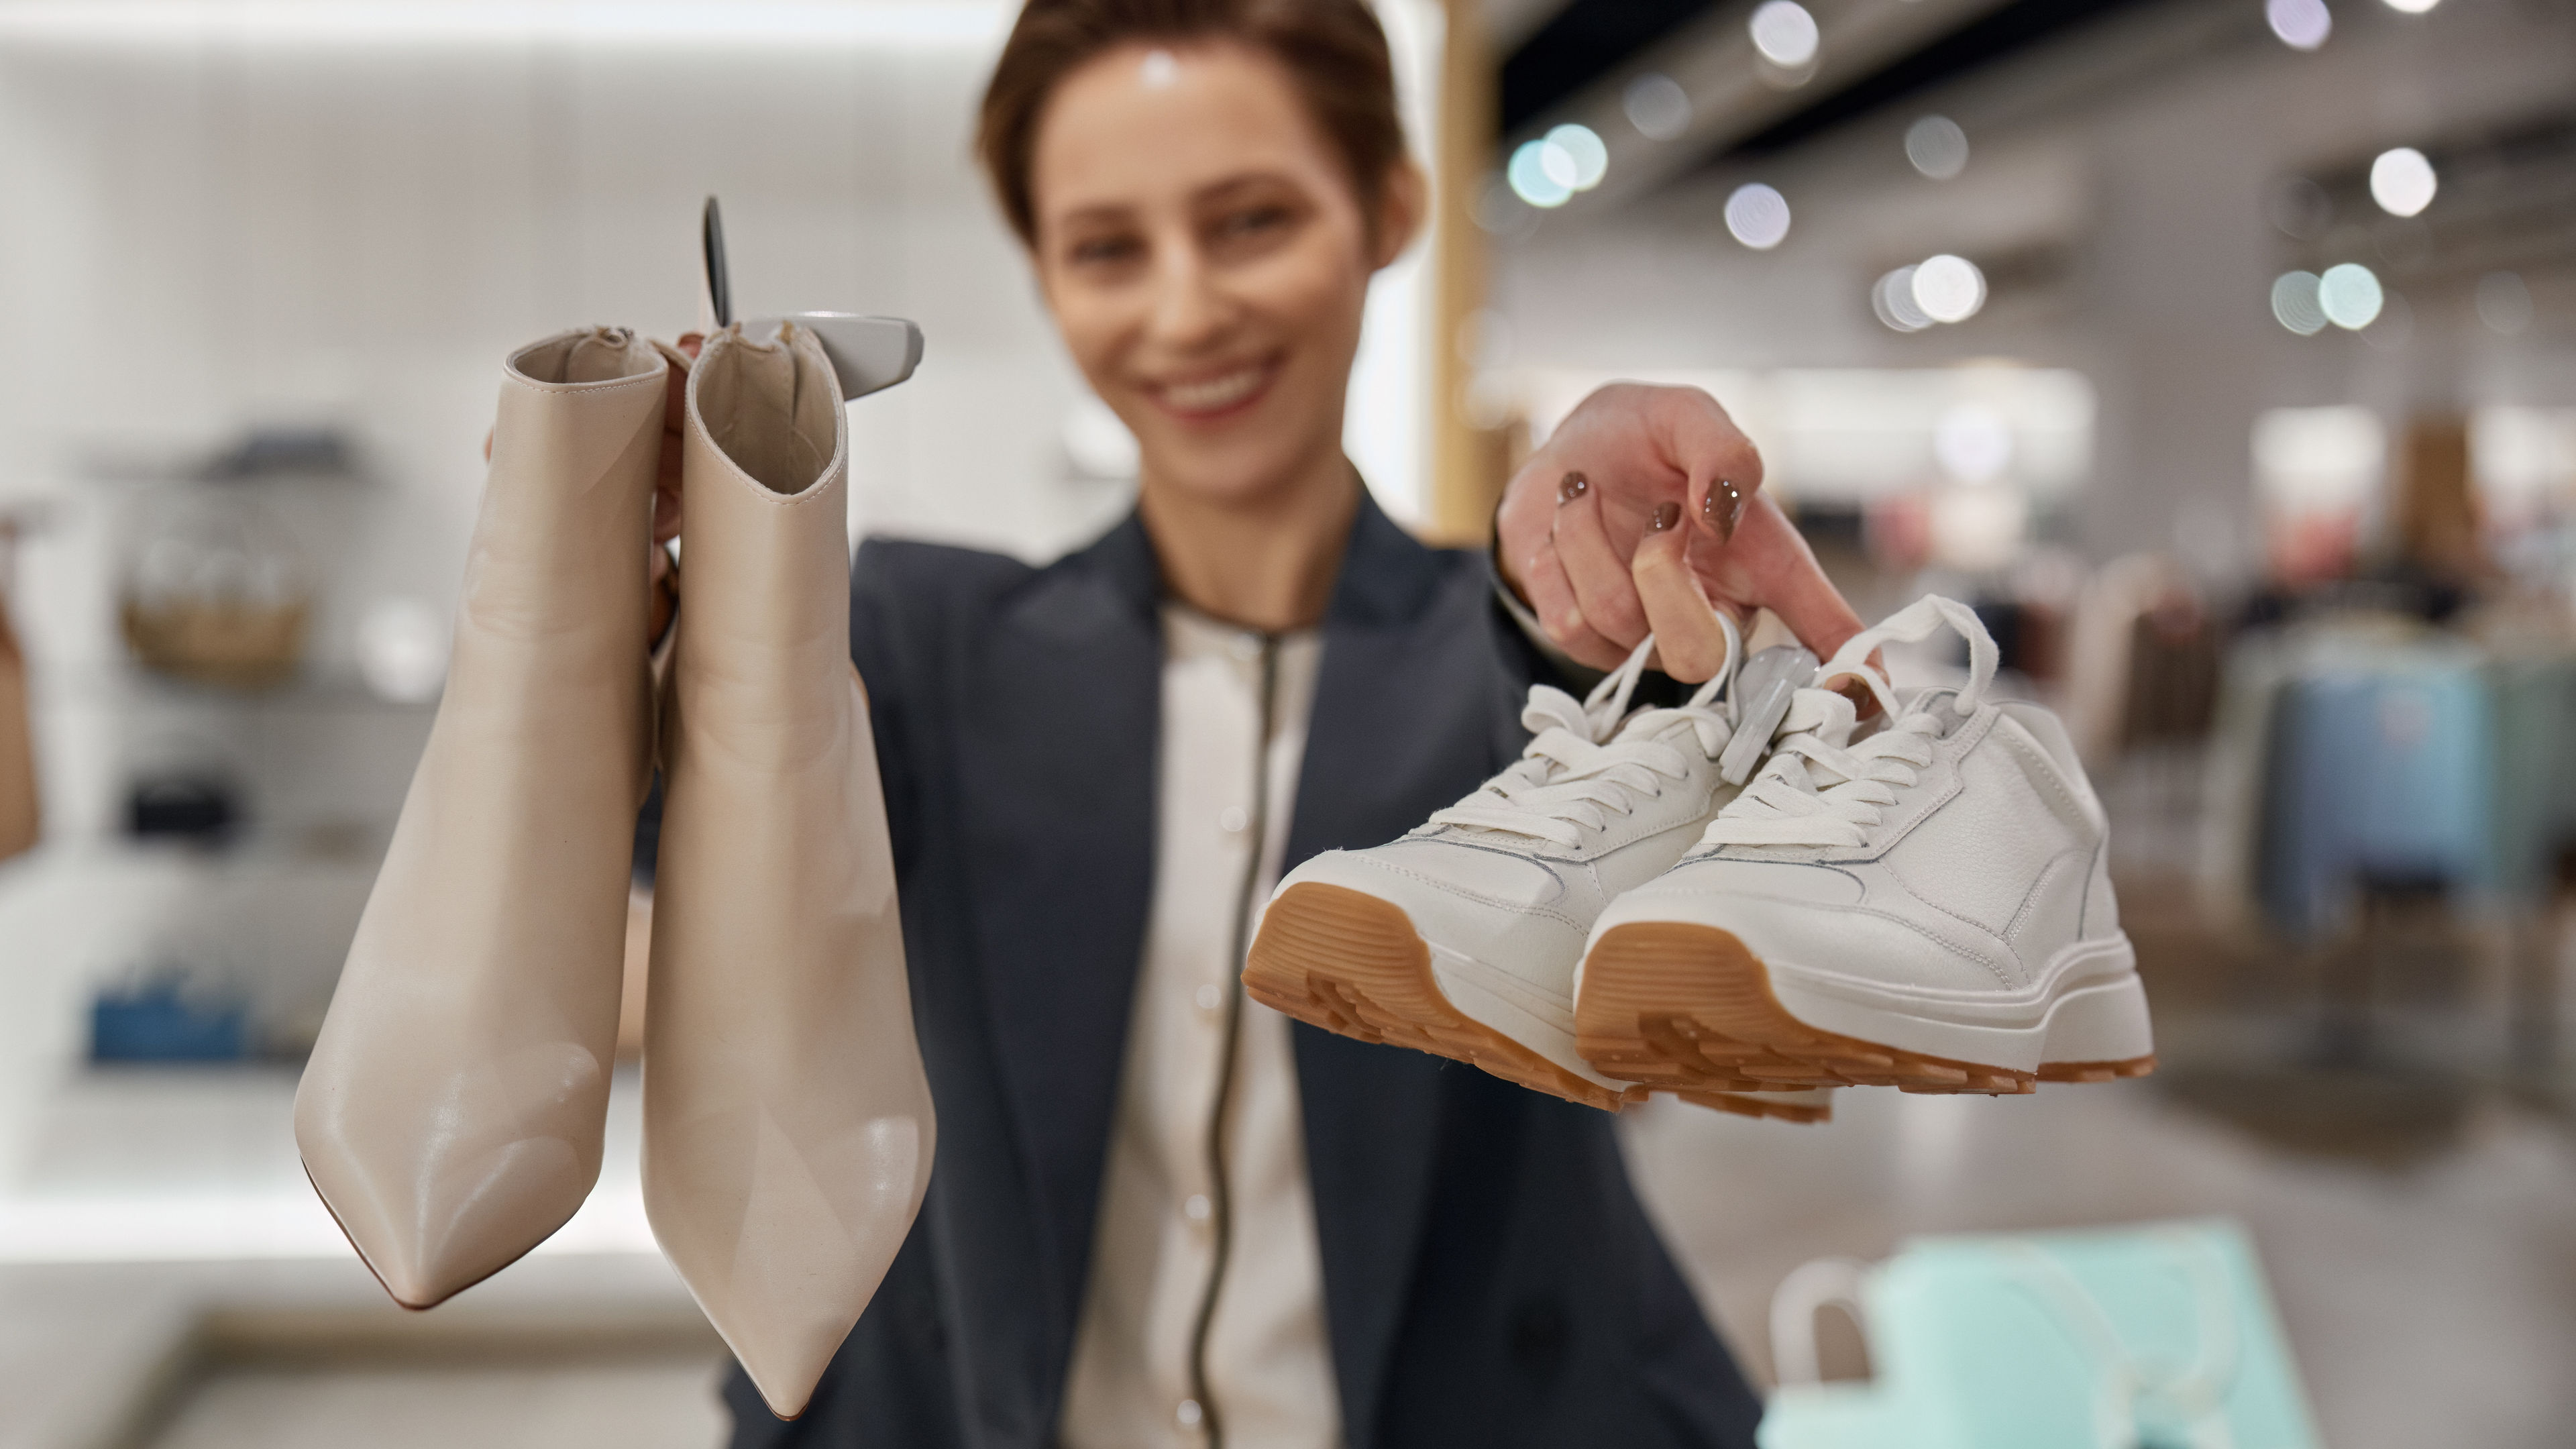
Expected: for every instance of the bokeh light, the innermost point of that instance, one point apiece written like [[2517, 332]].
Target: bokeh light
[[1948, 288], [1785, 33], [1937, 147], [1757, 216], [2402, 181], [1892, 298], [1533, 180], [1589, 159], [2504, 303], [2301, 24], [2412, 7], [1657, 106], [2294, 303], [2350, 296]]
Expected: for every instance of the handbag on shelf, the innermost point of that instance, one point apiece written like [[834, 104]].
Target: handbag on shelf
[[2159, 1336]]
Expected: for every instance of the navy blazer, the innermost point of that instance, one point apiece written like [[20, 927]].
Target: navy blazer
[[1489, 1277]]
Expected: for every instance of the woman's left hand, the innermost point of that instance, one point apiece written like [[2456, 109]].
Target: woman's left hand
[[1643, 510]]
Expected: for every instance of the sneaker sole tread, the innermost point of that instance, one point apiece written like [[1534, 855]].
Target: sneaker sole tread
[[1686, 1008]]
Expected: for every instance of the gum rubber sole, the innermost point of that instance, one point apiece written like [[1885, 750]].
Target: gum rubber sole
[[1689, 1008], [1353, 964]]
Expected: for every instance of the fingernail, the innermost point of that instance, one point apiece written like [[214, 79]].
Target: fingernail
[[1720, 507], [1666, 516], [1571, 487]]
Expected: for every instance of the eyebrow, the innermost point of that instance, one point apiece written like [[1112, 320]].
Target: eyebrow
[[1214, 193]]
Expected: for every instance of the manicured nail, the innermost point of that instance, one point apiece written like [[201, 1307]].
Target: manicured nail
[[1720, 507], [1571, 487], [1666, 516]]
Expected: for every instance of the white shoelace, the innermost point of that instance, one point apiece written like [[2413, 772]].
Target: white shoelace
[[1587, 765], [1819, 788]]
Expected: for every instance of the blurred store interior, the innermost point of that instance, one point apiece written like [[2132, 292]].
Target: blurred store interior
[[2224, 351]]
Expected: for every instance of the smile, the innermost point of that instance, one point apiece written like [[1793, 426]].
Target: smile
[[1208, 397]]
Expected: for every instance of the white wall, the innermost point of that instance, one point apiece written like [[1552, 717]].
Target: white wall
[[224, 214]]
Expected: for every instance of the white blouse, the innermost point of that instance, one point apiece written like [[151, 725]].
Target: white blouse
[[1203, 1321]]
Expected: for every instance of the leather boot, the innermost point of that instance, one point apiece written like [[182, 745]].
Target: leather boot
[[787, 1122], [451, 1114]]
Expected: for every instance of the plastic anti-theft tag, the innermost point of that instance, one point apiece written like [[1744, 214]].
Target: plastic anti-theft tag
[[1766, 683]]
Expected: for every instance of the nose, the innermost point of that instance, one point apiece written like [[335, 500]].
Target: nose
[[1191, 311]]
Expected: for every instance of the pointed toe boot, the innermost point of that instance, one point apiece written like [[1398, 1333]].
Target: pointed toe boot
[[452, 1110], [787, 1122]]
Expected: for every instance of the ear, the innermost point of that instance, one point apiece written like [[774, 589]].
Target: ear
[[1402, 204]]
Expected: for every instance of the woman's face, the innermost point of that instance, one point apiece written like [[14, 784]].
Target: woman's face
[[1206, 259]]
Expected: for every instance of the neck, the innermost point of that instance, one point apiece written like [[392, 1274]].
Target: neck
[[1265, 562]]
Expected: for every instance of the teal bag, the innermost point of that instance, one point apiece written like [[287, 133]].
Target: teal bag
[[2159, 1336]]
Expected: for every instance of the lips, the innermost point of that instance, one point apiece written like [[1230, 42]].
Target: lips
[[1215, 394]]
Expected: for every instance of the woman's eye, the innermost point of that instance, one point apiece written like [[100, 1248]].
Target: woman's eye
[[1097, 251], [1254, 221]]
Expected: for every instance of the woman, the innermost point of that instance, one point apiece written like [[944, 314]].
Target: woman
[[1160, 1215]]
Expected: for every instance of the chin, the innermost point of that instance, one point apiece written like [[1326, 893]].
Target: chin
[[1225, 470]]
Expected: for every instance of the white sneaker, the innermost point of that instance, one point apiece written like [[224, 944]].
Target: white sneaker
[[1462, 937], [1926, 907]]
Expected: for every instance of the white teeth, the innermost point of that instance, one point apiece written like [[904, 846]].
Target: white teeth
[[1203, 397]]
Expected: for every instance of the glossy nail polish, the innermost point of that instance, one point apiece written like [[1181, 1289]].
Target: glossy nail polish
[[1571, 487], [1667, 516], [1722, 505]]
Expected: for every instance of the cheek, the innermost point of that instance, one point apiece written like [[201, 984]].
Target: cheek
[[1093, 327], [1316, 292]]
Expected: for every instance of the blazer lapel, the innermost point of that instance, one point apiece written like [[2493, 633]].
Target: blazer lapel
[[1373, 771], [1059, 807]]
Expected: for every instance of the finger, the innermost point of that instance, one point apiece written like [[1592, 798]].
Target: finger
[[1788, 581], [1690, 644], [1598, 572], [1723, 467], [1560, 614]]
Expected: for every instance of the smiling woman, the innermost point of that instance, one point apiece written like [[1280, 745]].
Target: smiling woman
[[1162, 1215]]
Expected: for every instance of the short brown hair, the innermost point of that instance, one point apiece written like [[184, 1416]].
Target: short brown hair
[[1334, 51]]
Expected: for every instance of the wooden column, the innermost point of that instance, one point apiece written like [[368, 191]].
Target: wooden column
[[1467, 463]]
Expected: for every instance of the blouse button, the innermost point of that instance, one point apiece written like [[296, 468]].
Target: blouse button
[[1232, 819]]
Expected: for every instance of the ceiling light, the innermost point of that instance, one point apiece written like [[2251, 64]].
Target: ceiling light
[[1534, 180], [2402, 181], [2301, 24], [2349, 295], [1583, 149], [1657, 106], [1937, 147], [1757, 216], [1785, 33], [1948, 288], [1892, 298], [2294, 303]]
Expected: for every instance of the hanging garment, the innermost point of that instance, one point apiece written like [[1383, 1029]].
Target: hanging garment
[[787, 1122], [452, 1110]]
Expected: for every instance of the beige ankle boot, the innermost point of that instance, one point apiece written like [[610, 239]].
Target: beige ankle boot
[[787, 1123], [451, 1114]]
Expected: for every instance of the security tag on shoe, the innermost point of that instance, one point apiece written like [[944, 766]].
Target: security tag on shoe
[[1764, 685], [870, 354]]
